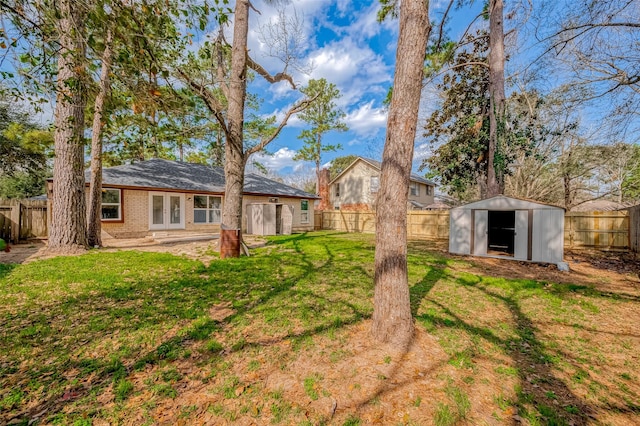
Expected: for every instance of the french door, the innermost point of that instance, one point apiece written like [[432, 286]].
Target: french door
[[166, 210]]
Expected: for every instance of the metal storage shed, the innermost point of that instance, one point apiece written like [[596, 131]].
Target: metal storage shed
[[508, 228]]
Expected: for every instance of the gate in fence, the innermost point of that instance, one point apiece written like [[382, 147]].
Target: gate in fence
[[23, 219]]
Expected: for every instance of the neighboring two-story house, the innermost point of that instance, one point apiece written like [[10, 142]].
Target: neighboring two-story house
[[357, 186]]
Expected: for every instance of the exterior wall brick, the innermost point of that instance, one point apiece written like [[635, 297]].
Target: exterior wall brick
[[135, 209]]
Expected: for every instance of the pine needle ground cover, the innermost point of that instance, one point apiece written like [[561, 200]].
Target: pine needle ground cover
[[281, 337]]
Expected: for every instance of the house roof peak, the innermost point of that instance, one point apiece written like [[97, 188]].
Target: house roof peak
[[378, 166]]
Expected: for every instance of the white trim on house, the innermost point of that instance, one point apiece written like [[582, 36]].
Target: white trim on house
[[212, 210], [170, 214], [304, 213]]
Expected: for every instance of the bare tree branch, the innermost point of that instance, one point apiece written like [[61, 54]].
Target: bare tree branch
[[281, 76], [300, 106], [19, 13]]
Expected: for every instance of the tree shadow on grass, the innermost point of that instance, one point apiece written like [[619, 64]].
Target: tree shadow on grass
[[6, 268], [241, 282], [553, 401], [420, 290]]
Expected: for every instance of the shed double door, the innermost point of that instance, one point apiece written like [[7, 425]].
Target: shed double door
[[520, 235]]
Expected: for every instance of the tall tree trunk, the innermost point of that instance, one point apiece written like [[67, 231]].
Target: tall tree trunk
[[235, 160], [495, 181], [392, 320], [69, 216], [95, 189], [154, 135], [318, 159]]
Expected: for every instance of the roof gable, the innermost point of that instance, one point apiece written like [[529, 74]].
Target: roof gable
[[173, 175], [377, 166]]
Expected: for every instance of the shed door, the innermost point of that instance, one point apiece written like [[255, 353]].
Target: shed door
[[480, 232], [521, 246], [287, 219], [269, 219]]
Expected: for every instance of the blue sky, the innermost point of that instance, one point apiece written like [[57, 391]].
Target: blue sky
[[344, 43], [348, 47]]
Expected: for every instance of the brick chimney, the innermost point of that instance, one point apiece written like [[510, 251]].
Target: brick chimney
[[323, 190]]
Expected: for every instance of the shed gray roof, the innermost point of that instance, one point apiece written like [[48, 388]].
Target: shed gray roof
[[174, 175], [501, 202]]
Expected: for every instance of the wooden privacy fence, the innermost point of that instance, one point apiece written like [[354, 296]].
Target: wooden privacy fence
[[634, 228], [433, 225], [23, 219], [599, 230]]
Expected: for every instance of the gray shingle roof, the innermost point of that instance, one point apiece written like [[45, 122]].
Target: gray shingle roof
[[414, 177], [166, 174]]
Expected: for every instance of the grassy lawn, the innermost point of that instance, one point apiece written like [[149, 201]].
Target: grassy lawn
[[281, 338]]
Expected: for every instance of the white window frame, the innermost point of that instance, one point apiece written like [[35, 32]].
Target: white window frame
[[207, 210], [337, 189], [304, 213], [414, 189], [374, 188], [167, 211], [118, 204]]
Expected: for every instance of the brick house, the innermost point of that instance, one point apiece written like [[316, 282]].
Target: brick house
[[357, 186], [168, 196]]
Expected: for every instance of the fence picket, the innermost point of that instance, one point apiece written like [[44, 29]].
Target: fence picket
[[600, 230]]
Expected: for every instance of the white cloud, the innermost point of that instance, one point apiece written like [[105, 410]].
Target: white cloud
[[366, 120], [346, 61], [342, 61], [280, 159], [422, 151], [294, 120]]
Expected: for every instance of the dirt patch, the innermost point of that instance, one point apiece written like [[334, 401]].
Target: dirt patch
[[613, 272], [204, 250]]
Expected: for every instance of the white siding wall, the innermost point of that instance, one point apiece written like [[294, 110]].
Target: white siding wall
[[481, 224], [460, 232], [355, 188], [548, 236]]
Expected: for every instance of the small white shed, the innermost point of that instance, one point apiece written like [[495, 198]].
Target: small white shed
[[508, 228], [269, 219]]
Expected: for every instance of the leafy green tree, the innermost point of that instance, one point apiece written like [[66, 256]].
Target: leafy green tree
[[24, 152], [226, 100], [23, 184], [323, 115], [458, 130], [24, 146], [631, 181]]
